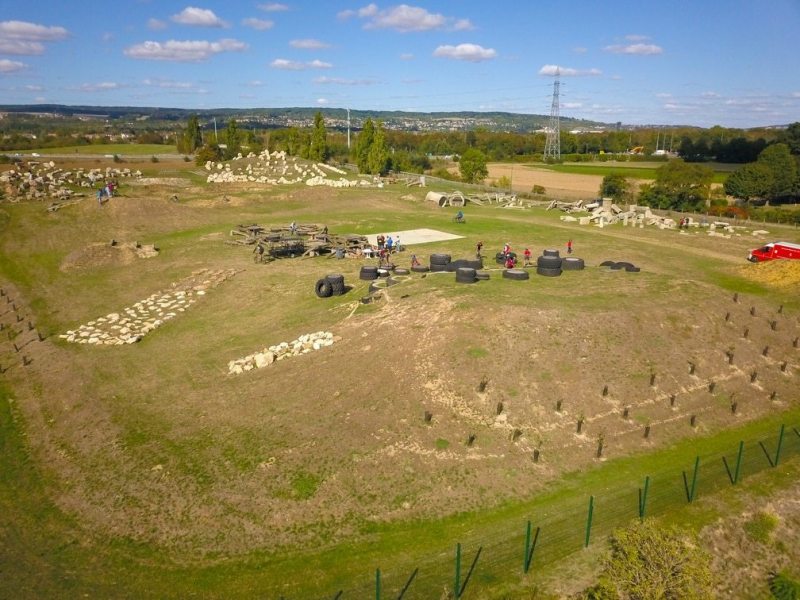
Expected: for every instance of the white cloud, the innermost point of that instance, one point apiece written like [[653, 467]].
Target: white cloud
[[640, 49], [105, 86], [11, 66], [255, 83], [273, 7], [571, 105], [406, 56], [183, 51], [199, 17], [24, 38], [663, 95], [552, 70], [309, 44], [710, 95], [168, 84], [293, 65], [23, 30], [21, 47], [468, 52], [795, 94], [34, 88], [323, 101], [342, 81], [405, 18], [636, 37], [259, 24], [156, 24]]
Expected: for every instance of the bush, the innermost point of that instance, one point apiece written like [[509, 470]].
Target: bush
[[761, 526], [504, 182], [647, 561], [154, 159], [117, 158], [539, 189]]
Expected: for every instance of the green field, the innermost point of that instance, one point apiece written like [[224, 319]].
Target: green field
[[103, 149], [630, 171], [147, 471]]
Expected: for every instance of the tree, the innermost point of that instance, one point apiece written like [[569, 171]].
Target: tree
[[209, 152], [378, 157], [363, 145], [751, 181], [192, 138], [678, 185], [647, 561], [792, 137], [472, 166], [318, 149], [784, 169], [615, 186], [233, 139]]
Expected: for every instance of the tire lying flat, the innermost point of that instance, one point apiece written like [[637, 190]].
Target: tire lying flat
[[517, 274], [572, 263]]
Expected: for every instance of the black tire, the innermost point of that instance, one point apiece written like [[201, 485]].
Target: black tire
[[500, 260], [500, 256], [607, 263], [517, 274], [549, 262], [369, 268], [368, 276], [401, 271], [323, 289], [632, 269], [475, 264], [465, 275], [624, 265], [420, 269], [383, 272], [550, 252], [616, 267], [438, 268], [482, 276], [455, 265], [548, 272], [440, 259], [366, 300], [572, 263]]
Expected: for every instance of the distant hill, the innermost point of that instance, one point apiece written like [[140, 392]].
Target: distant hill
[[300, 116]]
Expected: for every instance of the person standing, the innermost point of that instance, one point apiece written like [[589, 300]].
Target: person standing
[[389, 244], [478, 248], [527, 255], [509, 262], [569, 247]]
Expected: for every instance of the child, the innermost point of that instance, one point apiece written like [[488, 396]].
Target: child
[[569, 247], [527, 254], [414, 261]]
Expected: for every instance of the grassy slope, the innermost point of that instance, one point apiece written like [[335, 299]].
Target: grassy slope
[[37, 538], [103, 149], [632, 172]]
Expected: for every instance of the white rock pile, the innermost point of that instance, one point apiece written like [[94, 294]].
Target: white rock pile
[[134, 322], [278, 168], [302, 345], [39, 180]]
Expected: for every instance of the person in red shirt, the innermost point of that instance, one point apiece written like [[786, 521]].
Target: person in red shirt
[[527, 255], [569, 247], [510, 262]]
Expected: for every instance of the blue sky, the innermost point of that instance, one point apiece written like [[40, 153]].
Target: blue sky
[[734, 63]]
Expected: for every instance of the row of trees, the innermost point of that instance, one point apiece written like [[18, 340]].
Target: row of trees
[[772, 177]]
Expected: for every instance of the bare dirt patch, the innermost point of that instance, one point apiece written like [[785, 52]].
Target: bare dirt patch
[[106, 255]]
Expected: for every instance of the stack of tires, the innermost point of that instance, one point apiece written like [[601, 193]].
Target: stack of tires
[[549, 263], [466, 275], [330, 285], [572, 263], [517, 274], [500, 258], [455, 265], [368, 273], [439, 262]]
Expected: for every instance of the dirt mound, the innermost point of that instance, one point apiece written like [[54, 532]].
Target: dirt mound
[[775, 273], [106, 255]]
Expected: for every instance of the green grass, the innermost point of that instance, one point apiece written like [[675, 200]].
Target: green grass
[[103, 149], [760, 527], [627, 171]]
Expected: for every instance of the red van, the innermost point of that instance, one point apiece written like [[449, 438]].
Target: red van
[[775, 250]]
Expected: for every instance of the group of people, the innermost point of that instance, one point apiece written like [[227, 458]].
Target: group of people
[[107, 192]]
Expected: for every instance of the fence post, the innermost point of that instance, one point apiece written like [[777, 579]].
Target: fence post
[[643, 498], [780, 443], [690, 491], [529, 547], [734, 477], [457, 586], [377, 584], [589, 521], [408, 584]]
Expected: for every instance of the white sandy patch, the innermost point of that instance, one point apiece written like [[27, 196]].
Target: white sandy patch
[[415, 236]]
